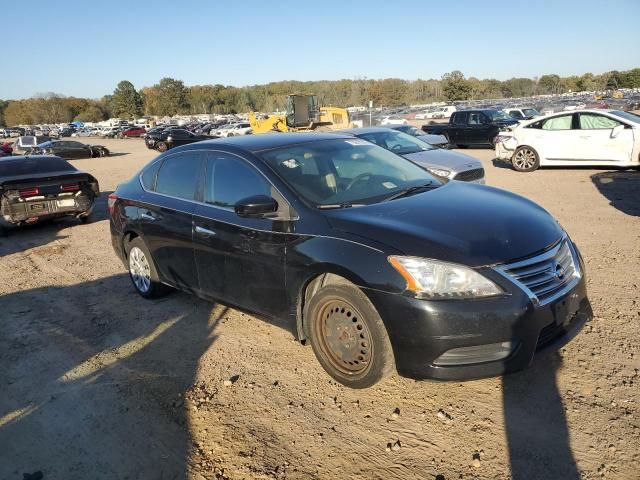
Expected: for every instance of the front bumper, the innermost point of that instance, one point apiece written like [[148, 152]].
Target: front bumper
[[467, 339]]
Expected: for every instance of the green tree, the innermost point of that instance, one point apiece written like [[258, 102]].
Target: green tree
[[126, 101], [172, 97], [93, 113], [3, 105], [549, 84], [455, 86]]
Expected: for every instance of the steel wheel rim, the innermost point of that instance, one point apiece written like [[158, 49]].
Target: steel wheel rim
[[139, 269], [344, 337], [525, 158]]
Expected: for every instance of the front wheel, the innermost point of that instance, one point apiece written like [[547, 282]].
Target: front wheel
[[348, 336], [142, 270], [162, 146], [525, 159]]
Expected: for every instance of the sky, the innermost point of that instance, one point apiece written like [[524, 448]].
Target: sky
[[85, 48]]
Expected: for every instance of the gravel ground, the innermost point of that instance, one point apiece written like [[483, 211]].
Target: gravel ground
[[98, 383]]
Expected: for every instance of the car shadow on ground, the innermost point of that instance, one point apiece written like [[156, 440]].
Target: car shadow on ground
[[498, 163], [535, 422], [621, 188], [16, 239], [94, 380]]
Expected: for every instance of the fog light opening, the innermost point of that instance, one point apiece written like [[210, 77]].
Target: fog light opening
[[491, 352]]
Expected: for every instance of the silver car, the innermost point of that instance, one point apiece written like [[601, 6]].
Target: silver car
[[440, 162]]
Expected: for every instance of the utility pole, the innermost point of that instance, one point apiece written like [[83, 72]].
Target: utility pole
[[370, 107]]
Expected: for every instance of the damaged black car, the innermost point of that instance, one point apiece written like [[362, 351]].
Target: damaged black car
[[36, 188]]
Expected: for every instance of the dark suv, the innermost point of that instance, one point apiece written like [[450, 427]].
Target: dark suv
[[163, 140]]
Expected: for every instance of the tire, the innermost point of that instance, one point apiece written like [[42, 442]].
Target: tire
[[459, 145], [361, 354], [142, 271], [525, 159], [162, 146]]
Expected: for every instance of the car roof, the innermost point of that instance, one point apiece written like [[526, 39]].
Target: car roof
[[268, 141]]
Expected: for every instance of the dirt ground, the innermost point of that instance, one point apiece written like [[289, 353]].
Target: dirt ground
[[96, 382]]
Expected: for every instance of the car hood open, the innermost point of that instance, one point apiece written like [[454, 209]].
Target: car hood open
[[444, 158], [458, 222]]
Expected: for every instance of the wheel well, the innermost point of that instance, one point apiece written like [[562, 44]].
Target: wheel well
[[307, 292], [127, 238]]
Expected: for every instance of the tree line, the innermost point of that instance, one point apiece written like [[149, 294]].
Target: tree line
[[170, 96]]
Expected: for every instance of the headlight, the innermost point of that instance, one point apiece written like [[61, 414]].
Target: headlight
[[442, 280], [440, 172]]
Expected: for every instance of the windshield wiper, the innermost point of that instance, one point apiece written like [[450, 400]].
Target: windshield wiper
[[409, 191], [339, 205]]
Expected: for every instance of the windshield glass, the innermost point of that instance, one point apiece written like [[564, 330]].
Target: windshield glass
[[631, 117], [397, 142], [530, 112], [344, 171], [498, 115]]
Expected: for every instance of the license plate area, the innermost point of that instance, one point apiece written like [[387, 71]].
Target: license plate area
[[66, 202], [565, 309], [36, 207]]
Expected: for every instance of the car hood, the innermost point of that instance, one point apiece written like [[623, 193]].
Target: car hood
[[438, 157], [458, 222]]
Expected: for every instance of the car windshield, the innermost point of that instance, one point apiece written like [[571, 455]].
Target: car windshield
[[398, 142], [530, 112], [345, 172], [498, 115], [631, 117]]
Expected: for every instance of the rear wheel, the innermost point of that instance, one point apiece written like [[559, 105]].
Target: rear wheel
[[525, 159], [348, 336], [142, 270]]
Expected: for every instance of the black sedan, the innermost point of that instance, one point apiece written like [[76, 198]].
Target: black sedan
[[37, 188], [167, 138], [69, 149], [369, 257]]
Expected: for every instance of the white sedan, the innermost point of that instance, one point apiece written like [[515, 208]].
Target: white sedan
[[393, 120], [584, 137]]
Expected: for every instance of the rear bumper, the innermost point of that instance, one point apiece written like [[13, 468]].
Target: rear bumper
[[462, 340], [502, 152], [19, 213]]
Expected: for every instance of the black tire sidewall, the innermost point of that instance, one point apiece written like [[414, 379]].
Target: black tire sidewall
[[156, 288], [382, 362]]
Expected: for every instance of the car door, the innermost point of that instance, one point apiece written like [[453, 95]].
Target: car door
[[555, 139], [79, 150], [166, 218], [478, 126], [597, 140], [240, 260], [457, 128]]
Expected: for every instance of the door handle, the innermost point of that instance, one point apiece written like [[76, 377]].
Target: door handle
[[205, 231], [147, 216]]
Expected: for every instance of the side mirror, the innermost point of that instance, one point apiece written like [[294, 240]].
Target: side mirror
[[255, 206], [615, 131]]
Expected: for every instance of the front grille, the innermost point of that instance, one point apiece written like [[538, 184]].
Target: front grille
[[545, 275], [470, 175]]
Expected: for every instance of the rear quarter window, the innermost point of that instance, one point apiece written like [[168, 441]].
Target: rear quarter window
[[148, 176]]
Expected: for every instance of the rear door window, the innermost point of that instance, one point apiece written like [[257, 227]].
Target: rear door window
[[459, 118], [563, 122], [179, 175]]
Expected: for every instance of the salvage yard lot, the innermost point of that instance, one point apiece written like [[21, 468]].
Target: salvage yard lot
[[98, 383]]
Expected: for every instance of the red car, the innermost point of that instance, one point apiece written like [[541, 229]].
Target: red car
[[132, 132], [6, 148]]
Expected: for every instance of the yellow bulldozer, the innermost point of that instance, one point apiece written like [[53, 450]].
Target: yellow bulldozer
[[302, 115]]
